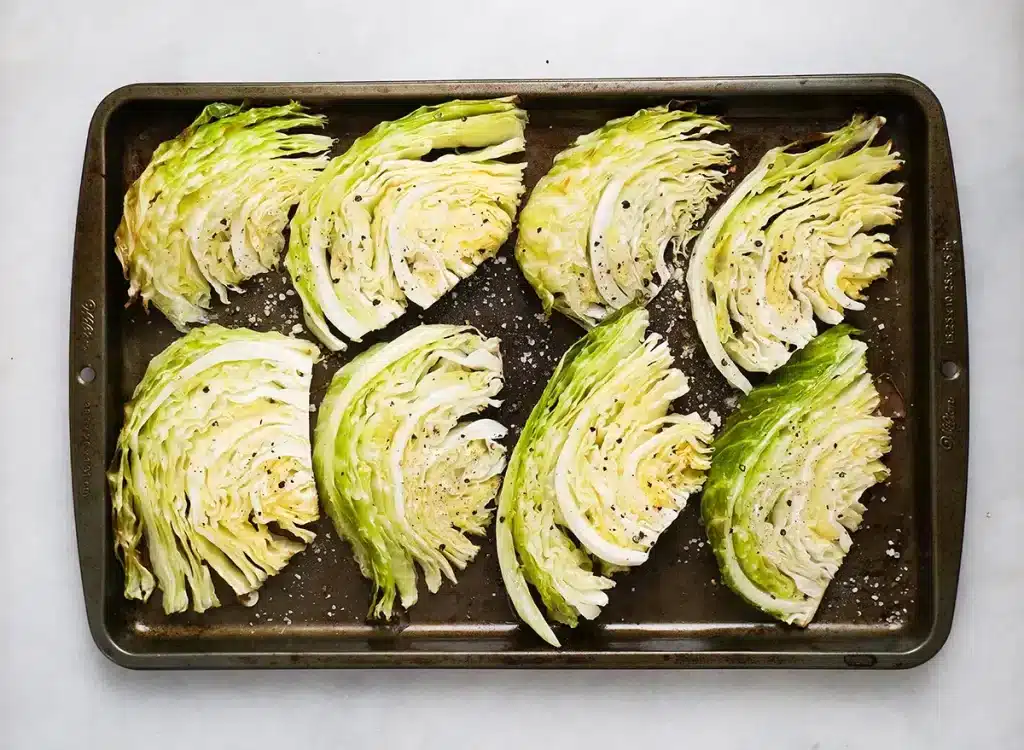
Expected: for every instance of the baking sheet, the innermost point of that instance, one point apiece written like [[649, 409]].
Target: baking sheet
[[891, 604]]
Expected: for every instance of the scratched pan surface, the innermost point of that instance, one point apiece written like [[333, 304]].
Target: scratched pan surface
[[892, 602]]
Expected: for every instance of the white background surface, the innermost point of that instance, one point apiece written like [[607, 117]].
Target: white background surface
[[57, 60]]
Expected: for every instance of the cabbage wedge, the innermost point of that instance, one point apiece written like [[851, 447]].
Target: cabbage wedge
[[214, 449], [793, 241], [402, 478], [210, 209], [599, 472], [384, 226], [596, 230], [791, 465]]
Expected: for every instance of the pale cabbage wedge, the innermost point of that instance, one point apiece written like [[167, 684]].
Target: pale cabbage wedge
[[210, 209], [600, 471], [791, 465], [383, 226], [214, 451], [595, 234], [402, 478], [793, 241]]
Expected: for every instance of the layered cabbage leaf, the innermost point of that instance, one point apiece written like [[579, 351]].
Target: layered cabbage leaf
[[209, 210], [410, 209], [794, 241], [599, 229], [405, 479], [791, 467], [213, 466], [600, 470]]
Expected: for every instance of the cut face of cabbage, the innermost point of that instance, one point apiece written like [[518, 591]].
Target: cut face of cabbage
[[595, 232], [795, 240], [214, 449], [382, 226], [791, 465], [600, 471], [403, 480], [210, 209]]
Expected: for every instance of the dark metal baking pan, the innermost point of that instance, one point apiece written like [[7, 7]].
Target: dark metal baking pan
[[892, 603]]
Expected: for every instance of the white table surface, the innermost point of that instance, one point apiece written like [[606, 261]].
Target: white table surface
[[58, 59]]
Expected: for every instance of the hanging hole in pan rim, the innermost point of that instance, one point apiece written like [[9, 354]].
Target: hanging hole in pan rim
[[950, 370], [86, 375]]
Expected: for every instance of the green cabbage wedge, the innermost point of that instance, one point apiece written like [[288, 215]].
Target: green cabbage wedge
[[596, 230], [793, 241], [403, 480], [383, 226], [214, 449], [210, 209], [600, 471], [791, 465]]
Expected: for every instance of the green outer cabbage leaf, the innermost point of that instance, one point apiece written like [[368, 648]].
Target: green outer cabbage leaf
[[599, 472], [211, 206], [594, 234], [381, 226], [403, 480], [791, 465], [214, 448], [793, 241]]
